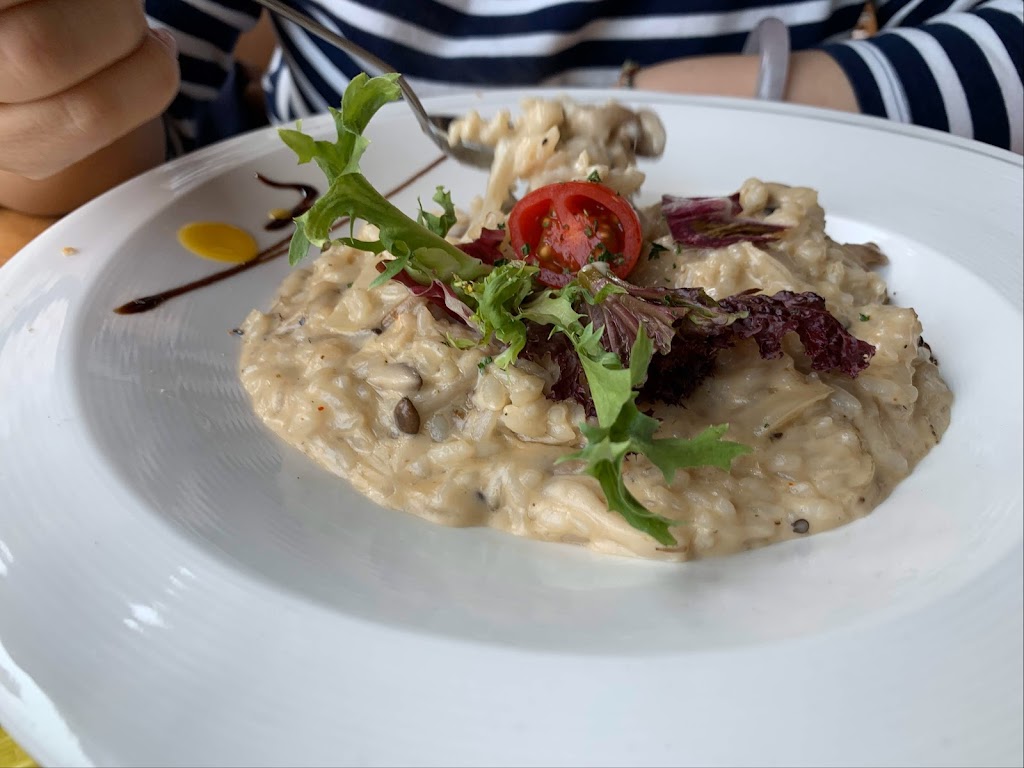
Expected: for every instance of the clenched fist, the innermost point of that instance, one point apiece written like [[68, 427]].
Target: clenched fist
[[76, 76]]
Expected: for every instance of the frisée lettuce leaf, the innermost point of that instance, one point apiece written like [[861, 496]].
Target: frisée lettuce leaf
[[421, 252], [501, 299]]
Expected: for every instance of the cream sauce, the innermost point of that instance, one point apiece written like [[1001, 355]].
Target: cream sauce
[[329, 364]]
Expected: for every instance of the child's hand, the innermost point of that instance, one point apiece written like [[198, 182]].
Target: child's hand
[[75, 75]]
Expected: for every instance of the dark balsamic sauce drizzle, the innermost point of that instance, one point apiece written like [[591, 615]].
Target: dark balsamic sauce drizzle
[[147, 303], [310, 194]]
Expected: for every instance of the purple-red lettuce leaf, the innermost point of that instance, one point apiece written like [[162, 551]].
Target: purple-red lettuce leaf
[[571, 384], [487, 247], [827, 343], [713, 222], [688, 328], [625, 307], [439, 293]]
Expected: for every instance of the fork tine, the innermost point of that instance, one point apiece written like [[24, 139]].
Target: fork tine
[[435, 127]]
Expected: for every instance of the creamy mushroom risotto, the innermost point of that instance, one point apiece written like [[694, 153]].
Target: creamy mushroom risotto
[[704, 377]]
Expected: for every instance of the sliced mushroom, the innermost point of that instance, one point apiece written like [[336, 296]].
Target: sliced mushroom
[[394, 377], [652, 135], [407, 418], [439, 427]]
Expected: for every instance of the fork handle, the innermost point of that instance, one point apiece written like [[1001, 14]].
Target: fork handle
[[314, 27]]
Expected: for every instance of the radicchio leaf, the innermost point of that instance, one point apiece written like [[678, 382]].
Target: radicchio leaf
[[626, 306], [437, 292], [713, 222], [688, 328], [486, 247], [828, 345], [571, 383]]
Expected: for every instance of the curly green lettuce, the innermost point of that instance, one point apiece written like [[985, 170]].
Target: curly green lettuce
[[501, 300]]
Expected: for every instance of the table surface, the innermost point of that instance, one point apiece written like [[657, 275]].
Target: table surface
[[16, 229]]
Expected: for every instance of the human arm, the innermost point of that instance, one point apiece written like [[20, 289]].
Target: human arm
[[92, 111], [77, 76], [958, 71], [137, 151], [814, 78]]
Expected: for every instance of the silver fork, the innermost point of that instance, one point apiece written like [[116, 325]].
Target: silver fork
[[434, 126]]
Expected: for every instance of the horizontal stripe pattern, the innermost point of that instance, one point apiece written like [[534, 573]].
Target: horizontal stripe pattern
[[960, 71], [948, 64]]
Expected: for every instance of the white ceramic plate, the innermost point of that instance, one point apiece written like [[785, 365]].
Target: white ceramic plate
[[178, 587]]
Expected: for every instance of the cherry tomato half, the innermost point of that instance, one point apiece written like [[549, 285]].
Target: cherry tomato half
[[561, 227]]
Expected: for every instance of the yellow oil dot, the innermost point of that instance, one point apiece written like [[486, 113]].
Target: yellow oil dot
[[217, 241]]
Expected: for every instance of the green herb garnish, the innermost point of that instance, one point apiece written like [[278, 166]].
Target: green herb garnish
[[439, 225], [655, 251], [499, 300], [424, 254]]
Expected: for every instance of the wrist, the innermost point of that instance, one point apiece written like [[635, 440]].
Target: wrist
[[817, 80], [721, 75], [813, 78]]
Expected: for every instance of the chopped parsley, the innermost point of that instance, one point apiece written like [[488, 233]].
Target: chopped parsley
[[655, 252]]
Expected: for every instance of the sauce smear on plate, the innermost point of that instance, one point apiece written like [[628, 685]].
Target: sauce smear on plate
[[147, 303], [218, 241]]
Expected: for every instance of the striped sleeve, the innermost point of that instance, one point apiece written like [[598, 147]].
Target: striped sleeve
[[957, 70], [442, 46], [209, 104]]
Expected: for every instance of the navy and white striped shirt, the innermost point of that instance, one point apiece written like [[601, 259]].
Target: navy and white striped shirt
[[955, 65]]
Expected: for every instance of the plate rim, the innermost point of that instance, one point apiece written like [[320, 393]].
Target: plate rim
[[25, 735], [819, 114]]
